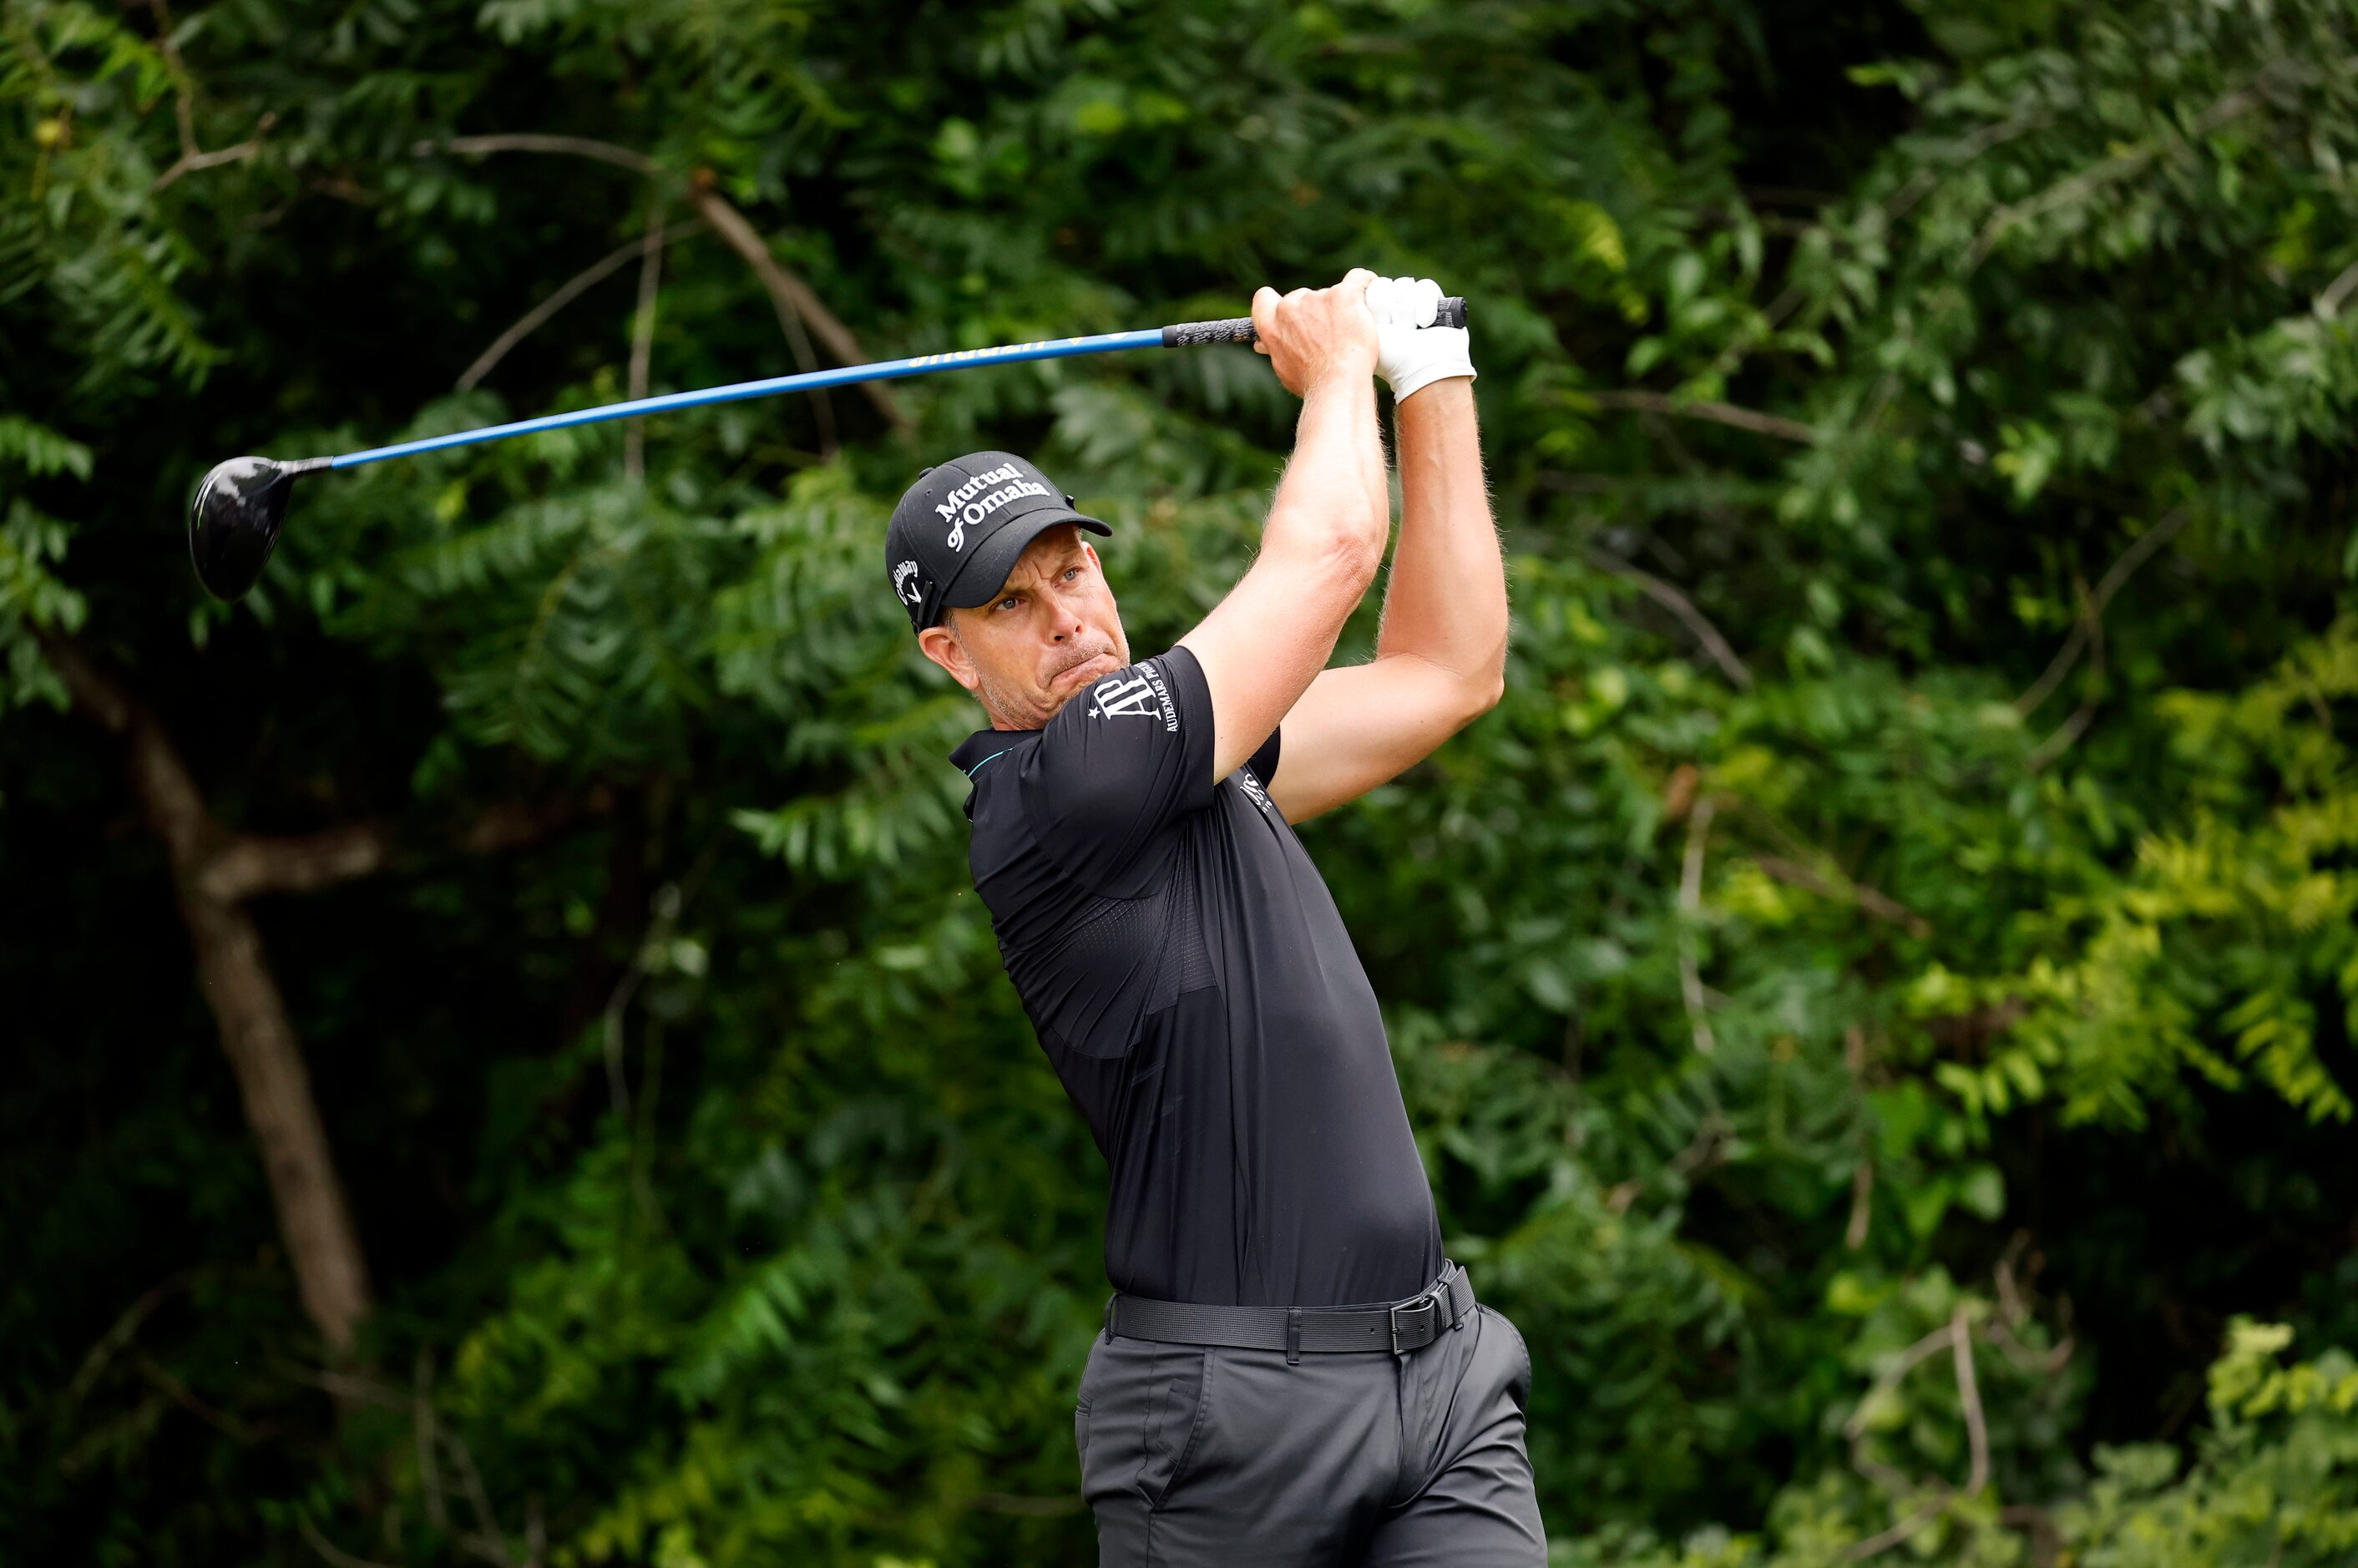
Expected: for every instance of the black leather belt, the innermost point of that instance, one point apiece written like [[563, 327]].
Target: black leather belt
[[1394, 1328]]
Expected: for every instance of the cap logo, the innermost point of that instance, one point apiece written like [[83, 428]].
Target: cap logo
[[960, 508], [902, 586]]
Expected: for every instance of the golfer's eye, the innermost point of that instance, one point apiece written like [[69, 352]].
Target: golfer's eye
[[1003, 603], [1072, 572]]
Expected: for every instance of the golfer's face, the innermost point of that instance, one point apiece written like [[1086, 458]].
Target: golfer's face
[[1052, 628]]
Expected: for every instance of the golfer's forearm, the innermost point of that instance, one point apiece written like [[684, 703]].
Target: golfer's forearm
[[1333, 507], [1447, 599], [1263, 644]]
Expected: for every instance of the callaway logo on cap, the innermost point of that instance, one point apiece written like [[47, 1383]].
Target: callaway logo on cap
[[958, 530]]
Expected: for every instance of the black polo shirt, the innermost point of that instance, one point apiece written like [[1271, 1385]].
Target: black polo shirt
[[1191, 980]]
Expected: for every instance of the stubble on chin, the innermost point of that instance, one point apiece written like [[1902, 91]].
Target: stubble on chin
[[1011, 706], [1015, 708]]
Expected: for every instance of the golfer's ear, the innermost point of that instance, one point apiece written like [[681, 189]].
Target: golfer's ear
[[940, 645]]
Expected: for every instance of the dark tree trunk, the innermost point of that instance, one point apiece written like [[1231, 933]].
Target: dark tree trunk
[[314, 1221], [215, 874]]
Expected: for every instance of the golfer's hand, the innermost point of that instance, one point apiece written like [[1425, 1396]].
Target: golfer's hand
[[1413, 353], [1317, 334]]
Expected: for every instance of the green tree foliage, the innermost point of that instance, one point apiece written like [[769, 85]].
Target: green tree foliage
[[1875, 999]]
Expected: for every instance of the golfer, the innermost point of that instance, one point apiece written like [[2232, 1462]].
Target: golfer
[[1289, 1370]]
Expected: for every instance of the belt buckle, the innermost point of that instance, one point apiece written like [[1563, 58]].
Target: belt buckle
[[1430, 1301]]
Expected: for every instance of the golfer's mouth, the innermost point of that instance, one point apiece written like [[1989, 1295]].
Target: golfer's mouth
[[1095, 665]]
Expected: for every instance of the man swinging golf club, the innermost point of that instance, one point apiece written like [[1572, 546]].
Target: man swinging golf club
[[1290, 1372]]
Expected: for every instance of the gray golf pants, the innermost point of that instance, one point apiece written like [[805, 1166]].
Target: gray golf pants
[[1201, 1455]]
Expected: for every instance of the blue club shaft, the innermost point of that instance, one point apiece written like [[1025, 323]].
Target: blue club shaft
[[885, 370]]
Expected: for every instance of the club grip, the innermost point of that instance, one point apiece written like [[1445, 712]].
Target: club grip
[[1240, 330]]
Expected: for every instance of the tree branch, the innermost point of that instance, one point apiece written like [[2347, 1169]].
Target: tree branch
[[2329, 302], [1862, 1173], [784, 300], [2143, 550], [184, 111], [191, 163], [1679, 605], [127, 1327], [247, 866], [421, 1418], [1966, 148], [181, 1394], [1907, 1361], [329, 1550], [1792, 874], [534, 142], [1898, 1532], [244, 866], [1690, 912], [1969, 1399], [2046, 1539], [2046, 1366], [512, 825], [792, 298], [2231, 107], [1956, 1336], [1862, 1205], [490, 1541], [789, 295], [1727, 414], [642, 342], [1854, 1429], [347, 1387], [565, 294], [2067, 734]]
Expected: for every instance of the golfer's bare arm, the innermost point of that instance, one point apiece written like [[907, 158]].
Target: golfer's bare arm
[[1441, 657], [1267, 641]]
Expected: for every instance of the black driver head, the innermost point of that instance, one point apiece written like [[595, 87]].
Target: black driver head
[[234, 522]]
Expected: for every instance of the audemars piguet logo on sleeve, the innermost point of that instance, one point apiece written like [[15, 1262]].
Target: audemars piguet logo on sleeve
[[1139, 692], [967, 504]]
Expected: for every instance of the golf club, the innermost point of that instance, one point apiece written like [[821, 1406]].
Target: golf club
[[235, 520]]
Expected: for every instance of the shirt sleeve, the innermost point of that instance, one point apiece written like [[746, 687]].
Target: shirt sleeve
[[1264, 761], [1118, 763]]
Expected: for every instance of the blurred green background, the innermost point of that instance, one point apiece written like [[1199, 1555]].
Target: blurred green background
[[1875, 999]]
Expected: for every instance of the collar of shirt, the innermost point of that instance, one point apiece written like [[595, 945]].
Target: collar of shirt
[[983, 748]]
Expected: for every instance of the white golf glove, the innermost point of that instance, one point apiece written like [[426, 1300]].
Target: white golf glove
[[1411, 352]]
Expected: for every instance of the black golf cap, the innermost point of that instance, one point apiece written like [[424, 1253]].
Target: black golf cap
[[961, 528]]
